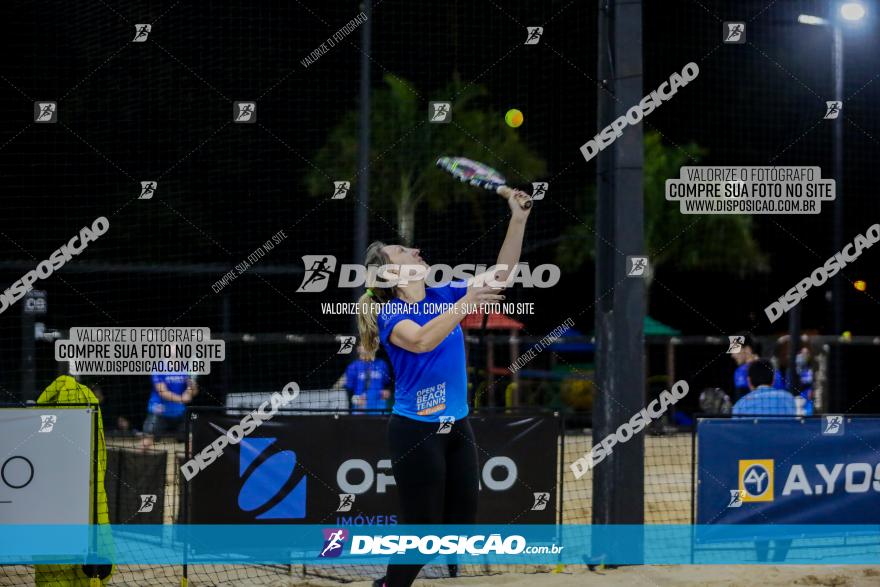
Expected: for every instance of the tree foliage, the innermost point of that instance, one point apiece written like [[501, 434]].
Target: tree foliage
[[672, 239], [404, 148]]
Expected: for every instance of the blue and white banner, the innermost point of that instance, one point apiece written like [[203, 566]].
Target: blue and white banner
[[789, 471], [499, 544], [320, 469]]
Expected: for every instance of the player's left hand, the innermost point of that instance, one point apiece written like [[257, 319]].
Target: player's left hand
[[516, 201]]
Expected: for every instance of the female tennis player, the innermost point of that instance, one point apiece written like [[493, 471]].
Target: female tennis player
[[436, 473]]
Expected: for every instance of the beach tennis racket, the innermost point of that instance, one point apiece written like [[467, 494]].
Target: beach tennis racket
[[479, 176]]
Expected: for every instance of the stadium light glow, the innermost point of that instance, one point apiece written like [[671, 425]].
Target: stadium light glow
[[813, 20], [852, 11]]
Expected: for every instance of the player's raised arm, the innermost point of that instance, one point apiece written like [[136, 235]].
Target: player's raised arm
[[422, 339], [511, 248]]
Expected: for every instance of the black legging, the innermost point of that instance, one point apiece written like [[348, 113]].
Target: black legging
[[437, 477]]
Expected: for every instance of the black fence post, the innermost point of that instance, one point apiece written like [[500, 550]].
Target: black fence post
[[618, 481]]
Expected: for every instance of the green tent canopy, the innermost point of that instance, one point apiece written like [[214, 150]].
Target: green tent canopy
[[655, 328]]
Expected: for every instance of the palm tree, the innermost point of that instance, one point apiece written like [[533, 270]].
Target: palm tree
[[685, 242], [404, 147]]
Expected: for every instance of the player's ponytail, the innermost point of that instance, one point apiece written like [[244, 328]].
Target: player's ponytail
[[371, 302]]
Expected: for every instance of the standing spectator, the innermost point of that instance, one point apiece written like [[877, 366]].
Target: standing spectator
[[803, 389], [763, 400], [805, 373], [368, 382], [165, 409], [747, 354]]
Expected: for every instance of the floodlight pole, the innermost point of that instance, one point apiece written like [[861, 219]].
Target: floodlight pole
[[836, 399], [361, 218], [618, 481]]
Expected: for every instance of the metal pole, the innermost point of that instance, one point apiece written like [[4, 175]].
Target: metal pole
[[226, 328], [618, 481], [794, 345], [361, 219], [837, 375], [28, 352]]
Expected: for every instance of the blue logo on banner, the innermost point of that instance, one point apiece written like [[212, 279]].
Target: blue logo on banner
[[267, 480]]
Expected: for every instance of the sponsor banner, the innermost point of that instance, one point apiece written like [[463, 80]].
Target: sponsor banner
[[499, 544], [45, 465], [789, 471], [335, 469]]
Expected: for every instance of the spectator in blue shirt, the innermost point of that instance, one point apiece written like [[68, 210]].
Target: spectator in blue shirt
[[747, 354], [804, 370], [763, 400], [165, 409], [368, 382]]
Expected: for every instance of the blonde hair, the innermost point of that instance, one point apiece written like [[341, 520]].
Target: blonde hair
[[370, 305]]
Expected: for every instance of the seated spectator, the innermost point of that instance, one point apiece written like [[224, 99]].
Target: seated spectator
[[763, 400], [714, 402]]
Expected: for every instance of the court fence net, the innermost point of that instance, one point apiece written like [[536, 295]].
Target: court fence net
[[144, 485]]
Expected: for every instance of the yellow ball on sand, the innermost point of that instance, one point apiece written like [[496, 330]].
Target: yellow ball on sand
[[513, 118]]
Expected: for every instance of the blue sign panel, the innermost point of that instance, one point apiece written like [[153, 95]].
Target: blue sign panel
[[789, 471]]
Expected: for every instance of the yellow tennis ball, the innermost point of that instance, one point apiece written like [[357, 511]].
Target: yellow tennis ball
[[513, 118]]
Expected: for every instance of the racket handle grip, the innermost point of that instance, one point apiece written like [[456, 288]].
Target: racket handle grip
[[506, 192]]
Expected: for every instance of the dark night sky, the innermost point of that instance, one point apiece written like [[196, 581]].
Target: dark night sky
[[162, 109]]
